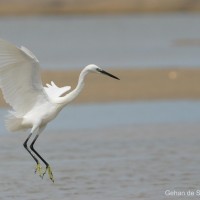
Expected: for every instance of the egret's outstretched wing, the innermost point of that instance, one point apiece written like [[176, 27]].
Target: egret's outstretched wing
[[54, 91], [20, 79]]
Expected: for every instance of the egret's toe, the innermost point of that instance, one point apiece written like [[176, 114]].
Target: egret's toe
[[50, 174], [38, 169]]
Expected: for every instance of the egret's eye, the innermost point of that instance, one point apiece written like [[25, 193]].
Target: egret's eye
[[99, 70]]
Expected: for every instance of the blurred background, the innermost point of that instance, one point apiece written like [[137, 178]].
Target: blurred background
[[130, 139]]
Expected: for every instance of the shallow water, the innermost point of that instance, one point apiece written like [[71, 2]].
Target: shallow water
[[113, 115], [139, 162], [120, 151], [127, 41]]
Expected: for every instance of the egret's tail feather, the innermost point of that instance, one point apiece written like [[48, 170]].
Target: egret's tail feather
[[12, 122]]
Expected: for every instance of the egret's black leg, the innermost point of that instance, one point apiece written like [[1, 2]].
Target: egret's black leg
[[32, 148], [44, 161], [38, 168], [26, 147]]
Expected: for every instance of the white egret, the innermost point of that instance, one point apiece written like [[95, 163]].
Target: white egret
[[33, 105]]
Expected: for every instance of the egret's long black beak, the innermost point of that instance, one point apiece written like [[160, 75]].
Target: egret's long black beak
[[106, 73]]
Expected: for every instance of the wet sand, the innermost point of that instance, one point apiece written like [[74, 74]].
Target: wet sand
[[138, 84], [139, 162], [22, 7], [144, 84]]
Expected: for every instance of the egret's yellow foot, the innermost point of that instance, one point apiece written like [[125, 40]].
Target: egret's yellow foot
[[48, 169], [38, 169], [50, 174]]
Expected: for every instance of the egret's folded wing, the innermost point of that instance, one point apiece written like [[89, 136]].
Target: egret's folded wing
[[54, 91], [20, 79]]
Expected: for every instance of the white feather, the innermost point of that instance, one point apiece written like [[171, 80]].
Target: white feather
[[20, 79], [54, 91]]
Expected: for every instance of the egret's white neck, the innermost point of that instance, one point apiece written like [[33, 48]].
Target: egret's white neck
[[72, 95]]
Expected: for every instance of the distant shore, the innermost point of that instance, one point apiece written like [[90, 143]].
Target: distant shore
[[135, 85], [34, 7]]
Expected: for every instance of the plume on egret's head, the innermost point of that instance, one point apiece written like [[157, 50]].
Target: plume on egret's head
[[96, 69]]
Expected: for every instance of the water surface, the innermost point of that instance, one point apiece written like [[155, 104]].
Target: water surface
[[129, 150], [126, 41], [139, 162], [115, 115]]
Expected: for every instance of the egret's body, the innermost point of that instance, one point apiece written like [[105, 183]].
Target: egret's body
[[33, 105], [45, 112]]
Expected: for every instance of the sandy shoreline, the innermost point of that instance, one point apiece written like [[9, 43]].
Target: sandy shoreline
[[22, 7], [135, 84]]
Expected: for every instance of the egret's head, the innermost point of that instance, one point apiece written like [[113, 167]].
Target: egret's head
[[96, 69]]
